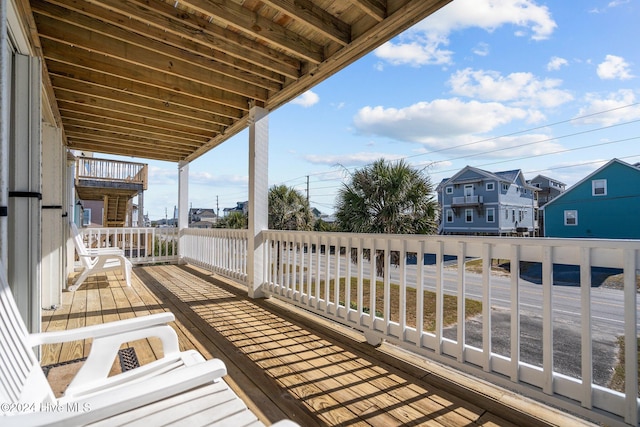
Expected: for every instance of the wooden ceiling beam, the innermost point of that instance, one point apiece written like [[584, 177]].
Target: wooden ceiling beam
[[304, 11], [228, 12], [192, 27], [119, 118], [98, 134], [123, 108], [376, 9], [166, 137], [116, 125], [182, 39], [145, 42], [162, 107], [79, 38], [132, 87], [94, 62]]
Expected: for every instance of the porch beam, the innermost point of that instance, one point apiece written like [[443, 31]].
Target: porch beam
[[258, 198], [183, 195]]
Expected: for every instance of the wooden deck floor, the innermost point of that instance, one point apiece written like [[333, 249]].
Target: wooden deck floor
[[286, 364]]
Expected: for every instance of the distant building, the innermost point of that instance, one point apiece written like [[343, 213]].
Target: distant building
[[242, 207], [478, 202], [202, 218], [548, 189], [605, 204]]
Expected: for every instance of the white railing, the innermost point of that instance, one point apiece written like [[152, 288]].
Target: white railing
[[221, 251], [111, 170], [530, 312], [303, 268], [141, 245], [467, 200]]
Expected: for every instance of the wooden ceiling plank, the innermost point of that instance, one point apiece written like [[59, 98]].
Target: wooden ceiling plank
[[168, 18], [115, 125], [161, 48], [124, 150], [135, 100], [97, 139], [374, 8], [306, 12], [239, 17], [182, 40], [151, 92], [80, 38], [160, 138], [74, 131], [113, 105], [93, 62]]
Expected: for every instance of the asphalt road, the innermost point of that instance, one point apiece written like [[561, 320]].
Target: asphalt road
[[607, 317]]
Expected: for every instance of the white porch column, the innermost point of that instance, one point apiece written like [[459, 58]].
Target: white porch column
[[183, 199], [258, 197], [4, 132], [25, 189], [141, 208]]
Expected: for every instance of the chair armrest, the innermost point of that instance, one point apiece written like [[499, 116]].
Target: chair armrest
[[121, 399], [102, 330]]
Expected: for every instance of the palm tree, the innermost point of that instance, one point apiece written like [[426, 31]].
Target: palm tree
[[390, 198], [236, 220], [288, 209]]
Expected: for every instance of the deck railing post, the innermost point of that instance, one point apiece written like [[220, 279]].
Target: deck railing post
[[258, 198]]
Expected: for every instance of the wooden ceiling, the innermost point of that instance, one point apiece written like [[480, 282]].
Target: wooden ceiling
[[169, 80]]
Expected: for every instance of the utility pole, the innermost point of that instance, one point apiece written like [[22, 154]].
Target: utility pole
[[307, 189]]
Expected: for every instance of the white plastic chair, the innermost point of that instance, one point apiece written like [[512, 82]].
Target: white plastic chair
[[181, 385], [98, 260]]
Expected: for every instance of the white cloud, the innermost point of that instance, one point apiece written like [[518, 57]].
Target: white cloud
[[307, 99], [416, 50], [481, 49], [351, 159], [423, 44], [520, 89], [616, 107], [441, 118], [614, 67], [555, 63]]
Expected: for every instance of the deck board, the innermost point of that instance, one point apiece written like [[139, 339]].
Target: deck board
[[281, 362]]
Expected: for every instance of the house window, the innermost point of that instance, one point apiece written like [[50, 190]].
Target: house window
[[449, 190], [571, 217], [449, 215], [490, 186], [491, 215], [86, 216], [599, 187], [468, 215], [506, 214], [505, 187]]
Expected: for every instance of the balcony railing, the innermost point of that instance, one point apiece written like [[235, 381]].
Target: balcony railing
[[111, 170], [332, 275], [466, 200], [140, 245]]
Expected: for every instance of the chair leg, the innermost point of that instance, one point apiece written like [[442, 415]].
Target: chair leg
[[79, 280], [127, 272]]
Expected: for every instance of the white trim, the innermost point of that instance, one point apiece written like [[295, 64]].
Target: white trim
[[448, 189], [449, 211], [492, 184], [595, 187], [493, 214], [466, 216], [566, 216]]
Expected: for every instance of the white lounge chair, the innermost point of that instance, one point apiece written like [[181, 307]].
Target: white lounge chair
[[181, 386], [98, 260]]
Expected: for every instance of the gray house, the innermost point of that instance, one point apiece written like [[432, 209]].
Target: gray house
[[478, 202], [548, 189]]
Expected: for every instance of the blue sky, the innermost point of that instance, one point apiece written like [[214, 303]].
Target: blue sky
[[548, 87]]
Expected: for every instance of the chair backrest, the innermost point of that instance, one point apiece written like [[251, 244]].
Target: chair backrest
[[79, 244], [21, 377]]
